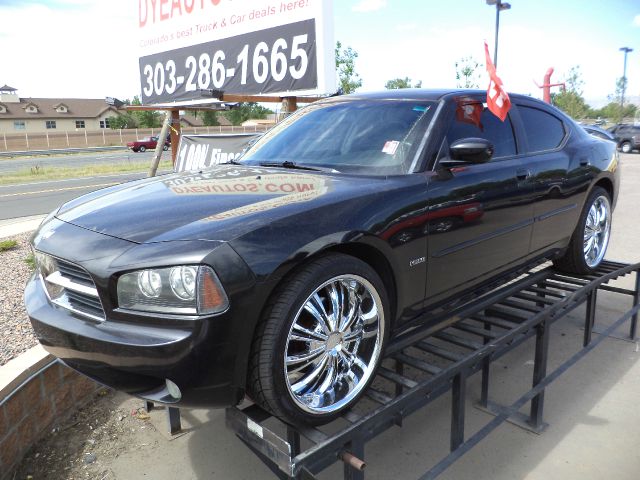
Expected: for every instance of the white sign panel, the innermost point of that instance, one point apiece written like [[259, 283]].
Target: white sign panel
[[189, 48]]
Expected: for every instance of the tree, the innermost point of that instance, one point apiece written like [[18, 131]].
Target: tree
[[398, 83], [146, 118], [246, 110], [571, 100], [349, 81], [210, 118], [123, 120], [467, 74]]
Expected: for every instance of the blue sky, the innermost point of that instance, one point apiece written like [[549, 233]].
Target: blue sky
[[86, 48]]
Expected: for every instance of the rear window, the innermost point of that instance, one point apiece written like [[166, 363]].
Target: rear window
[[543, 130]]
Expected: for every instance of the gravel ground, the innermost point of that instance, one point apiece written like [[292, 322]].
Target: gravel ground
[[16, 335]]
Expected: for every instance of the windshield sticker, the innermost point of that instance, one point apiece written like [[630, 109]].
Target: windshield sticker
[[390, 147]]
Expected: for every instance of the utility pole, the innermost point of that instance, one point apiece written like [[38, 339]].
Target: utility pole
[[626, 50], [500, 5]]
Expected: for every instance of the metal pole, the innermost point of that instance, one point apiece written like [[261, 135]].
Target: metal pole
[[158, 152], [626, 50], [495, 50]]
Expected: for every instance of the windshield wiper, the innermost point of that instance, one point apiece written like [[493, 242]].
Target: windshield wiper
[[293, 165]]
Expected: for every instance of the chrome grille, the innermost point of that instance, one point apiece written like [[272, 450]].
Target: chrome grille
[[70, 286], [74, 273]]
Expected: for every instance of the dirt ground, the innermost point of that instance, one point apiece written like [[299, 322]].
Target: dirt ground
[[82, 446]]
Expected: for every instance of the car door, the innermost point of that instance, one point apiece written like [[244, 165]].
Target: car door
[[479, 222], [559, 174]]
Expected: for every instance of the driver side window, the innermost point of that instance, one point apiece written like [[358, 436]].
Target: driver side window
[[472, 119]]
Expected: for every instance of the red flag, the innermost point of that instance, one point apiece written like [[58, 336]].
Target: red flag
[[497, 98]]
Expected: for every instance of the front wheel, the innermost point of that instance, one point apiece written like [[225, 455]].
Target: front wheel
[[142, 148], [165, 147], [590, 239], [626, 147], [320, 341]]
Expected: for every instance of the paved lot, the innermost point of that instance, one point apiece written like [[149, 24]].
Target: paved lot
[[592, 410]]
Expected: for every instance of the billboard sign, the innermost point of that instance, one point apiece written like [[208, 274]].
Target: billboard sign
[[196, 152], [189, 48]]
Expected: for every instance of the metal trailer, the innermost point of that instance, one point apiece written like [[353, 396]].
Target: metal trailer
[[474, 335]]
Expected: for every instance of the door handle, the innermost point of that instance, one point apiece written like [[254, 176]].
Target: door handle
[[523, 174]]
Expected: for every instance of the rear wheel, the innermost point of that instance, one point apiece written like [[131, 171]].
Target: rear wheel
[[320, 341], [142, 148], [165, 147], [590, 239]]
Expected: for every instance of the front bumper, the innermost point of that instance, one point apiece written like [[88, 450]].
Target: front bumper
[[137, 359]]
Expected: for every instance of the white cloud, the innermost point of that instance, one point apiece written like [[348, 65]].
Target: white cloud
[[369, 5], [636, 21]]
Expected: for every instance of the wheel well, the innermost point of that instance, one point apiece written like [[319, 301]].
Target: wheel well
[[376, 260], [607, 185]]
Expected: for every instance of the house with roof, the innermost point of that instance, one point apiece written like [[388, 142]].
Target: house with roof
[[41, 115]]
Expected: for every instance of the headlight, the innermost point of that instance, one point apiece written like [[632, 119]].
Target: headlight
[[47, 265], [184, 289]]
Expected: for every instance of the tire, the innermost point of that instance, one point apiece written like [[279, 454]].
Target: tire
[[595, 222], [165, 148], [625, 147], [305, 369], [142, 148]]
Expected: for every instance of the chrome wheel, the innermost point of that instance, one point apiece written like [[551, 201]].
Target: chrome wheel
[[334, 344], [596, 231]]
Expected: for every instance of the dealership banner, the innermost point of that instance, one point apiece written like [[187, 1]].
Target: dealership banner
[[196, 152], [189, 49]]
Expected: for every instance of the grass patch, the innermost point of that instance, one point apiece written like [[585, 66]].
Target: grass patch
[[7, 245], [39, 172], [31, 261]]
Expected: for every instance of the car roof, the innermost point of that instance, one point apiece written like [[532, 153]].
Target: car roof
[[422, 94]]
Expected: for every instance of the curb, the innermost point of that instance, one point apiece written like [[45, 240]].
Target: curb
[[16, 226]]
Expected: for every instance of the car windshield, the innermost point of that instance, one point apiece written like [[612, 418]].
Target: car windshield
[[371, 137]]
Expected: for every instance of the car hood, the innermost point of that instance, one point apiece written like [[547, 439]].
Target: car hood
[[220, 203]]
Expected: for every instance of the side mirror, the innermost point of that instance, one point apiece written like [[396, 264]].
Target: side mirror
[[468, 150]]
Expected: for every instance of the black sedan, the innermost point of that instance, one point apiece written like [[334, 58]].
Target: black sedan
[[283, 276]]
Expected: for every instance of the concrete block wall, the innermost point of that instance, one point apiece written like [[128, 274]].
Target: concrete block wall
[[33, 402]]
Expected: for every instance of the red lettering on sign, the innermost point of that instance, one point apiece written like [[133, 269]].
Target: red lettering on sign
[[152, 11]]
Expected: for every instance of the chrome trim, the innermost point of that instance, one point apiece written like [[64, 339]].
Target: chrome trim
[[58, 279]]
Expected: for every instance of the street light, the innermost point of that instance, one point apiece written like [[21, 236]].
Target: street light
[[500, 5], [626, 50]]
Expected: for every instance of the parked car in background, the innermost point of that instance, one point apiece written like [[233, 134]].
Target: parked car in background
[[148, 143], [282, 276], [599, 132], [627, 137]]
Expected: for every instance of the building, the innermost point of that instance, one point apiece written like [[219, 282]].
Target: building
[[40, 115]]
